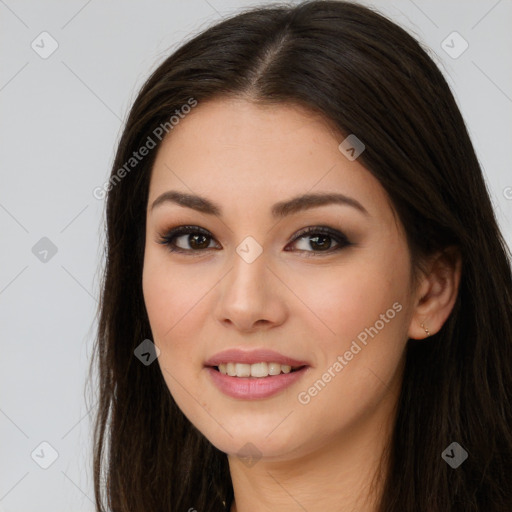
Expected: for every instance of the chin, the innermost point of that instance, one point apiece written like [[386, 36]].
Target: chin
[[254, 442]]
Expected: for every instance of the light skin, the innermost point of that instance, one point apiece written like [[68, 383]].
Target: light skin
[[245, 158]]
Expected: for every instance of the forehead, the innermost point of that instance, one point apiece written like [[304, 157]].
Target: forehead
[[236, 148]]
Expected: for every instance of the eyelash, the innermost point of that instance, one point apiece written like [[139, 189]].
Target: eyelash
[[167, 239]]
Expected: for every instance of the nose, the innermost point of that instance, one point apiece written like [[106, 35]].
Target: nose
[[251, 297]]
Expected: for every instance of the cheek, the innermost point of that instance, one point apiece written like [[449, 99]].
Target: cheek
[[177, 299], [172, 305], [170, 294], [358, 367], [161, 292], [171, 302], [345, 300], [362, 333]]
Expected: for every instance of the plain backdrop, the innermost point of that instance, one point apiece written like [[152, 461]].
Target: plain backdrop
[[61, 115]]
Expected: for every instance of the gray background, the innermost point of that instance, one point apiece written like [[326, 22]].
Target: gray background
[[61, 117]]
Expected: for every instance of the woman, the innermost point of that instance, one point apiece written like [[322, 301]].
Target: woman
[[306, 302]]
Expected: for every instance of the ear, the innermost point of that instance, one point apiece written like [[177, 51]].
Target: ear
[[436, 293]]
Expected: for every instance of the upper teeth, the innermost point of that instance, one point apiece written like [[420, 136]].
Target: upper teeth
[[253, 370]]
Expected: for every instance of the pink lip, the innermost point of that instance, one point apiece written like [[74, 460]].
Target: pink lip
[[252, 356], [253, 388]]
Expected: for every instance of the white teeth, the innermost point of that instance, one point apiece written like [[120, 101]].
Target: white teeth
[[253, 370], [274, 368], [259, 370], [243, 370], [231, 369]]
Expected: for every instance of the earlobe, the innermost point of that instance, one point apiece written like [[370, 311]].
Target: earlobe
[[436, 294]]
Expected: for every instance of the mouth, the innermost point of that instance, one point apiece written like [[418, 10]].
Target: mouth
[[254, 381], [254, 374], [257, 370]]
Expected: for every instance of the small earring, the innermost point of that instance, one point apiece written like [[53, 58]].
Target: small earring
[[426, 330]]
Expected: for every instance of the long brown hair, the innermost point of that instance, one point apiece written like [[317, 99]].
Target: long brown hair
[[369, 77]]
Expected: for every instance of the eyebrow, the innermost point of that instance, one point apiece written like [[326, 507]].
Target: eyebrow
[[279, 210]]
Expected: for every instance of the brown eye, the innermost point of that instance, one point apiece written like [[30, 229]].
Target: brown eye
[[196, 241], [320, 239], [186, 239]]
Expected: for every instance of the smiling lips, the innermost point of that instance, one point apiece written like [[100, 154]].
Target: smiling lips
[[253, 374]]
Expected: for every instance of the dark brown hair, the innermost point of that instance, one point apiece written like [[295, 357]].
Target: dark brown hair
[[368, 77]]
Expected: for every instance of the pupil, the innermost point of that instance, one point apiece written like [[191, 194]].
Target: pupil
[[325, 238], [198, 245]]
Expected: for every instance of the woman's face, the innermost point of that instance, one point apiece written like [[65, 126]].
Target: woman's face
[[334, 302]]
